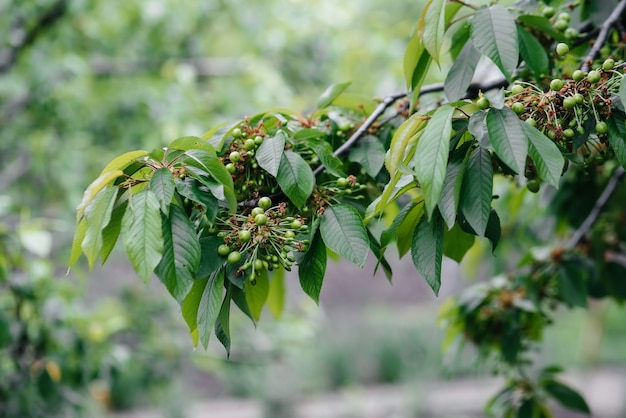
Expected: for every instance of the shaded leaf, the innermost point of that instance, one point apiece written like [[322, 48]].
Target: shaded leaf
[[222, 325], [208, 162], [209, 307], [461, 73], [456, 243], [312, 268], [507, 137], [295, 178], [572, 280], [94, 188], [451, 189], [566, 396], [79, 236], [270, 153], [404, 238], [369, 152], [617, 135], [111, 232], [545, 154], [210, 262], [344, 233], [543, 25], [533, 52], [256, 293], [431, 156], [476, 191], [427, 250], [276, 296], [189, 307], [162, 185]]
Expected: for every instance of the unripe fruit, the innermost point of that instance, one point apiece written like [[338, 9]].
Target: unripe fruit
[[551, 134], [230, 167], [249, 144], [608, 64], [578, 75], [602, 128], [258, 140], [563, 16], [548, 11], [234, 257], [237, 133], [568, 133], [258, 264], [517, 89], [571, 33], [257, 211], [483, 103], [518, 108], [289, 235], [342, 182], [532, 122], [556, 84], [569, 102], [260, 219], [244, 235], [593, 76], [533, 186], [234, 156], [265, 202], [223, 250], [579, 98], [296, 224], [562, 48], [561, 25]]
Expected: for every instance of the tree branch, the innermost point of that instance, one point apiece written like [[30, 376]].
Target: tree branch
[[603, 35], [599, 206]]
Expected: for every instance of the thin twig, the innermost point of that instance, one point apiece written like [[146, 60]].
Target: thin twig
[[603, 35], [599, 206]]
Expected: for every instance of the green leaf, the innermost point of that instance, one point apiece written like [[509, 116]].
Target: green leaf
[[572, 281], [295, 178], [543, 25], [493, 33], [181, 253], [344, 233], [431, 156], [461, 73], [256, 294], [432, 26], [545, 154], [566, 396], [98, 215], [533, 53], [162, 185], [404, 238], [276, 296], [186, 143], [193, 190], [416, 63], [622, 92], [312, 268], [94, 188], [379, 252], [389, 234], [209, 261], [331, 93], [270, 153], [222, 325], [456, 243], [476, 191], [617, 135], [189, 307], [123, 161], [427, 250], [357, 102], [451, 190], [370, 154], [402, 139], [322, 149], [143, 236], [507, 137], [208, 162], [79, 236], [111, 232], [493, 231], [209, 307]]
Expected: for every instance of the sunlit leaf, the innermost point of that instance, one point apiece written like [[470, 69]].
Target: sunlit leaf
[[94, 188], [331, 93], [270, 153], [98, 215]]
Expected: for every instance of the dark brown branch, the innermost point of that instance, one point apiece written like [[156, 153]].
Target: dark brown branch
[[603, 35], [599, 206]]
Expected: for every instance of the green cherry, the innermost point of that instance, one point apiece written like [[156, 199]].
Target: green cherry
[[569, 102], [483, 103], [257, 211], [237, 133], [265, 202], [234, 257], [602, 128], [244, 235], [556, 84], [533, 186], [342, 182], [594, 76], [260, 219], [249, 144], [234, 156], [230, 167], [296, 224], [562, 49], [223, 250], [608, 64], [578, 75], [518, 108]]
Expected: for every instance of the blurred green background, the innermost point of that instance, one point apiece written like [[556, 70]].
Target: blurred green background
[[82, 81]]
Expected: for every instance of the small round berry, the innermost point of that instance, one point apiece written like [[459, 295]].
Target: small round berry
[[260, 219], [296, 224], [237, 133], [531, 121], [551, 134], [289, 235], [483, 103], [244, 235], [518, 108], [517, 89], [223, 250], [568, 133], [602, 127], [342, 182], [258, 140], [249, 144], [579, 98], [608, 64], [569, 102], [571, 33], [230, 167], [234, 257], [234, 156], [548, 12], [556, 84], [258, 264], [578, 75], [257, 211], [594, 76], [265, 202], [533, 186], [562, 48], [563, 16], [561, 25]]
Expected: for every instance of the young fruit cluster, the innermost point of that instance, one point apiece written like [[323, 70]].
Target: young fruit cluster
[[571, 106], [249, 179], [263, 239], [561, 22]]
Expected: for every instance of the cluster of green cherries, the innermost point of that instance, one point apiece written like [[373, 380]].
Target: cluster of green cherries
[[264, 239]]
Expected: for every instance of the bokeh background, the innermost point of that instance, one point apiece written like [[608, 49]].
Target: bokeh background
[[82, 81]]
